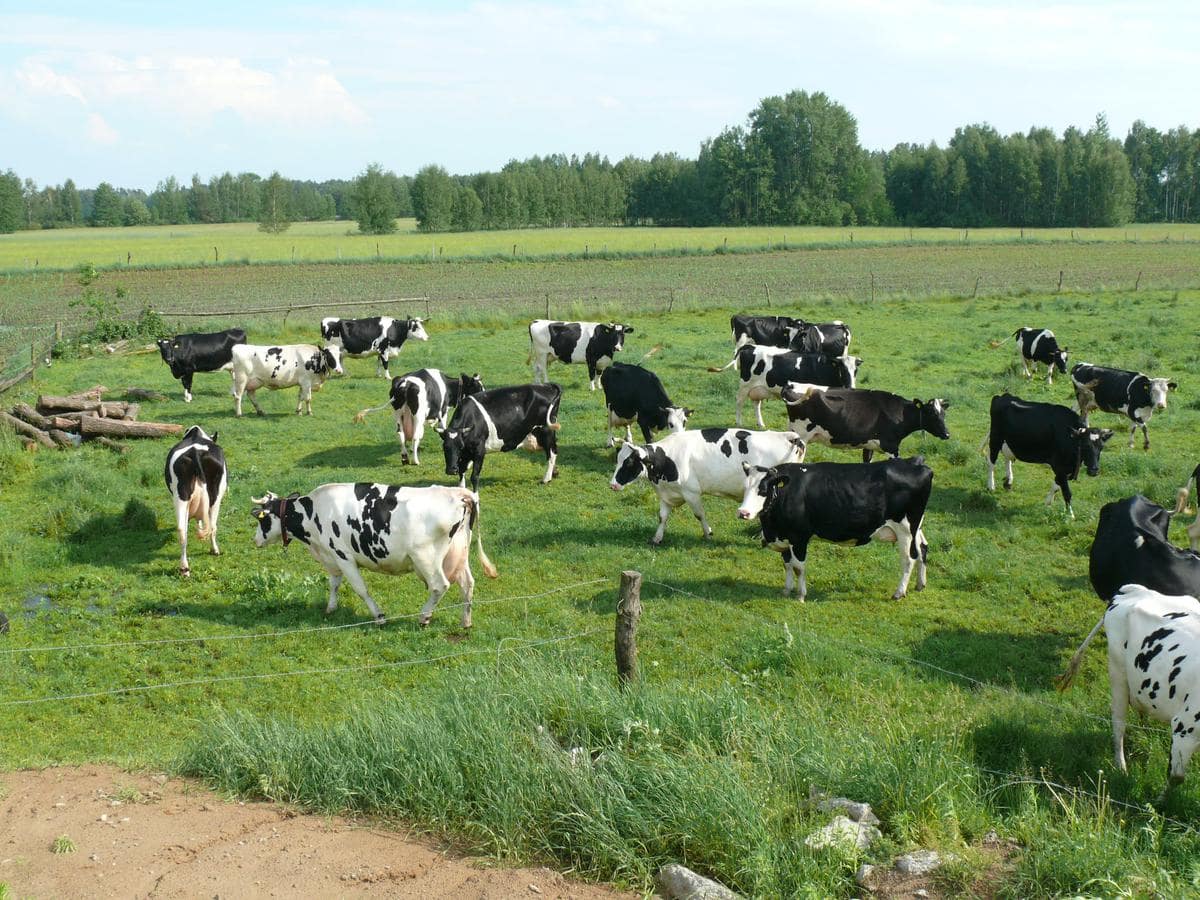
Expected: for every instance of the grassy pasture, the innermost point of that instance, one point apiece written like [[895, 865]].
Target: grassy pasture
[[191, 245], [748, 713]]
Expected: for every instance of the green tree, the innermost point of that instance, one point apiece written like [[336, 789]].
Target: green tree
[[468, 210], [374, 201], [433, 192], [107, 209], [12, 205], [168, 203], [136, 212], [274, 212], [69, 207]]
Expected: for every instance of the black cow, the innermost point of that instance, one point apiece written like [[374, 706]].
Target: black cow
[[1131, 547], [594, 343], [841, 502], [419, 396], [502, 419], [187, 354], [1043, 433], [861, 419], [633, 393], [1130, 394], [1038, 345], [379, 335], [766, 331], [765, 371], [830, 338]]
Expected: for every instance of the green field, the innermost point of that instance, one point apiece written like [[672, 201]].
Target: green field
[[190, 245], [938, 709]]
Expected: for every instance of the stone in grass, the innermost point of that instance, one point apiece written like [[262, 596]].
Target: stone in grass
[[859, 812], [919, 862], [676, 882], [843, 832], [863, 875]]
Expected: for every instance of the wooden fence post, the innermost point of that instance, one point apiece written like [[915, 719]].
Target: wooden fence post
[[1060, 277], [671, 302], [975, 292], [768, 289], [1139, 281], [427, 307], [872, 287], [547, 304], [629, 611]]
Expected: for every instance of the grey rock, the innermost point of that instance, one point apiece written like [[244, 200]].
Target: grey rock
[[863, 876], [919, 862], [921, 893], [676, 882], [843, 832], [859, 812]]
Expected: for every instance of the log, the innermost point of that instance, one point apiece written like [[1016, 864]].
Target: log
[[28, 414], [131, 411], [27, 430], [144, 394], [62, 423], [63, 439], [92, 393], [111, 444], [91, 426], [113, 409]]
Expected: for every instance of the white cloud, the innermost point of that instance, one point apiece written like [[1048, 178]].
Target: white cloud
[[99, 131]]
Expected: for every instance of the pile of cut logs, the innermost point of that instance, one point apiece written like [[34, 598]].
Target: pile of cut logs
[[85, 416]]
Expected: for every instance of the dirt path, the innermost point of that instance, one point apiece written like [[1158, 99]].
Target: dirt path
[[151, 836]]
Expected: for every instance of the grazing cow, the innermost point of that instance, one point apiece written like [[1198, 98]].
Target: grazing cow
[[1130, 394], [502, 419], [683, 467], [379, 335], [861, 419], [765, 371], [1043, 433], [1131, 547], [830, 338], [634, 394], [196, 477], [291, 365], [841, 502], [382, 528], [765, 331], [187, 354], [1038, 345], [594, 343], [419, 396], [1153, 664]]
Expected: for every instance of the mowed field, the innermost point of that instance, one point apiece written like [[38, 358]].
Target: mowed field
[[939, 709], [191, 245]]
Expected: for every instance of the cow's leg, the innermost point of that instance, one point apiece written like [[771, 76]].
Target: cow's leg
[[742, 393], [476, 468], [549, 442], [1025, 364], [418, 433], [647, 435], [253, 402], [239, 388], [181, 525], [435, 579], [867, 454], [629, 435], [1146, 437], [187, 387], [903, 537], [788, 579], [1061, 484], [799, 560], [539, 368], [1120, 707], [922, 558], [1008, 473], [1050, 374], [351, 574], [1133, 434], [758, 413], [213, 513], [466, 581], [593, 375], [696, 504], [664, 512], [335, 582], [1183, 745]]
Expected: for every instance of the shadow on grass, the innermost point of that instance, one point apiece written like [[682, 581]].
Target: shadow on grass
[[1026, 662], [119, 540], [1071, 752], [376, 454]]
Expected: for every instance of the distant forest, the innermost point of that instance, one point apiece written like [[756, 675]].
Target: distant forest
[[796, 161]]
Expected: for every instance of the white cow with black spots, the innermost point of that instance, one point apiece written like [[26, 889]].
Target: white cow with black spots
[[383, 528], [683, 467], [291, 365], [594, 343], [1153, 664]]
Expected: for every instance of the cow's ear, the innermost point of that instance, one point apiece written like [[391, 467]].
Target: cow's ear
[[945, 404], [1172, 386], [628, 329], [917, 403], [746, 468], [688, 411], [1078, 432], [439, 429], [214, 436], [1105, 434], [619, 442]]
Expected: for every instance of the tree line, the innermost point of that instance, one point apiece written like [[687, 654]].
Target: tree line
[[796, 161]]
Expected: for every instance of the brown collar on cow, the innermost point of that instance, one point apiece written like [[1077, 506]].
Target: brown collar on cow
[[283, 521]]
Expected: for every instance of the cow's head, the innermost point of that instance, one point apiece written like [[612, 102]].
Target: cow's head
[[1090, 442], [416, 330], [167, 347], [631, 465], [331, 328], [469, 384], [1158, 392], [325, 361], [270, 525], [850, 364], [933, 416], [676, 417], [1059, 360], [612, 336], [454, 446], [759, 488]]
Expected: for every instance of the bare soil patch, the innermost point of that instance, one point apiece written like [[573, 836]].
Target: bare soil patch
[[153, 836]]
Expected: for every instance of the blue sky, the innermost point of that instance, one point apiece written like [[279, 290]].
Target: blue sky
[[133, 92]]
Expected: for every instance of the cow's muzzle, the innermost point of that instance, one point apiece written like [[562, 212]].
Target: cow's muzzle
[[745, 514], [1093, 472], [616, 486]]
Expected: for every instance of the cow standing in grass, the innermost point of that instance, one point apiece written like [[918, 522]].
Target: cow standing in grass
[[187, 354], [292, 365], [1131, 394], [196, 478], [419, 396], [382, 336], [593, 343]]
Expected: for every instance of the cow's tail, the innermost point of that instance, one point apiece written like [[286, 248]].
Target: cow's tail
[[727, 365], [1063, 681], [987, 437], [649, 353], [363, 413], [1181, 495], [477, 526], [529, 358], [204, 526]]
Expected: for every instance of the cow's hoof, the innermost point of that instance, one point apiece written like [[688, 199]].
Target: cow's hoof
[[185, 572], [381, 619], [329, 610], [215, 552], [654, 543], [554, 474], [899, 595], [424, 621], [1008, 485], [259, 412]]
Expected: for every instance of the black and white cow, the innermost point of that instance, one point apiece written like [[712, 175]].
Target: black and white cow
[[502, 419], [1153, 665], [1131, 547], [379, 335], [291, 365], [862, 419], [1130, 394], [1043, 433], [1038, 345], [187, 354], [841, 502], [381, 528], [830, 338], [684, 467], [196, 478], [766, 331], [765, 371], [594, 343], [419, 396], [635, 394]]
